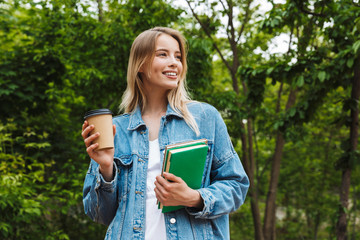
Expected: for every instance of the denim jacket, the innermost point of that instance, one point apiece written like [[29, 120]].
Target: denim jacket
[[121, 202]]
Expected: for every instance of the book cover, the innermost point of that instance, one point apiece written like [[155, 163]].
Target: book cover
[[180, 145], [187, 161]]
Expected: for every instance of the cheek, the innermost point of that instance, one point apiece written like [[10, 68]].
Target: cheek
[[158, 66], [181, 69]]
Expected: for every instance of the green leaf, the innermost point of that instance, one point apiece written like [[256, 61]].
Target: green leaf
[[300, 81], [322, 76], [356, 46], [269, 70], [292, 112], [350, 62]]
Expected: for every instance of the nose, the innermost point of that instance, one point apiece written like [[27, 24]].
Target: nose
[[173, 61]]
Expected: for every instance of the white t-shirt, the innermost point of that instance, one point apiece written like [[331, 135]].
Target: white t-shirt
[[155, 223]]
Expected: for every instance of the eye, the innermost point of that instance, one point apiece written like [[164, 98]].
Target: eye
[[162, 54], [179, 57]]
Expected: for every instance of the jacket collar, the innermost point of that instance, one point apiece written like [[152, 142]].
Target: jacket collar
[[136, 120]]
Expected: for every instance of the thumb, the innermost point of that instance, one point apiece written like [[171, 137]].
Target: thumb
[[114, 129], [171, 177]]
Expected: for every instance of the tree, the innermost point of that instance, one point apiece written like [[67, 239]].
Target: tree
[[350, 46], [57, 60], [307, 73], [234, 36]]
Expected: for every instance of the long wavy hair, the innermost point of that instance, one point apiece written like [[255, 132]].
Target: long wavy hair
[[142, 51]]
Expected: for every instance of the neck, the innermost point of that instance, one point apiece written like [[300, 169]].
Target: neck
[[156, 104]]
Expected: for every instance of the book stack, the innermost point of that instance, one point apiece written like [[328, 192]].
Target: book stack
[[187, 161]]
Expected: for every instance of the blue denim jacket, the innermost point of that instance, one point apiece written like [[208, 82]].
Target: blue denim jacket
[[121, 202]]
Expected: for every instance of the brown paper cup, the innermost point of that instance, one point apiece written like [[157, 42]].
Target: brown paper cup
[[102, 120]]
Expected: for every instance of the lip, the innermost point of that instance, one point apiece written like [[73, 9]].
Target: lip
[[174, 76]]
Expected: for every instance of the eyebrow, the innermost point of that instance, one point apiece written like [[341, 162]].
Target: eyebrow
[[165, 50]]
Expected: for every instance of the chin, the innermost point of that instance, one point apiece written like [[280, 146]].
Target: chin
[[172, 85]]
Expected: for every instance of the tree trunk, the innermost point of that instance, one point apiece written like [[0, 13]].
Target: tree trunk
[[341, 226], [100, 10], [248, 161], [250, 170], [353, 235], [253, 194], [251, 145], [256, 214], [270, 210]]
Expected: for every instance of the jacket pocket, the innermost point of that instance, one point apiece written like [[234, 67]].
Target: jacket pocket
[[124, 160], [124, 166]]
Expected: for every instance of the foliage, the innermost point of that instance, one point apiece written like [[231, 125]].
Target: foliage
[[317, 69], [240, 222], [59, 59], [22, 183]]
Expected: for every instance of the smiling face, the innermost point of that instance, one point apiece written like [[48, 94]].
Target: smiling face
[[166, 67]]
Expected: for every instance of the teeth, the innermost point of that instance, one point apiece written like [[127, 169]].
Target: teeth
[[170, 74]]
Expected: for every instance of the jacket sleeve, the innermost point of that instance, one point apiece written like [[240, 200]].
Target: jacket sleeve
[[228, 181], [99, 196]]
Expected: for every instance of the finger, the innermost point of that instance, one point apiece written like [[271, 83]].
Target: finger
[[90, 139], [114, 129], [172, 177], [158, 194], [85, 133], [159, 183], [161, 180], [85, 124], [91, 148], [161, 187], [160, 197]]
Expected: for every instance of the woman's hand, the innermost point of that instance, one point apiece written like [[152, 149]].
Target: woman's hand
[[103, 157], [176, 192]]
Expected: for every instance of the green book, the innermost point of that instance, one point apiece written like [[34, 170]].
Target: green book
[[187, 161]]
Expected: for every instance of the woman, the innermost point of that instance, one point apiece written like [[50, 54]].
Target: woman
[[123, 185]]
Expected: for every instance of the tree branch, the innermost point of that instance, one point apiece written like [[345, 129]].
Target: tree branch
[[231, 24], [246, 19], [301, 7], [208, 33], [228, 11], [100, 9], [290, 40], [222, 3]]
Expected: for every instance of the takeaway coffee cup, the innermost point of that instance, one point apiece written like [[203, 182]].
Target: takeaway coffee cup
[[102, 120]]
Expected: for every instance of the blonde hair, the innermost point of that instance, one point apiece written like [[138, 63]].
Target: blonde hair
[[143, 50]]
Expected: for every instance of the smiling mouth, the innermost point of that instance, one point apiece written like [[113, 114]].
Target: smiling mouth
[[172, 74]]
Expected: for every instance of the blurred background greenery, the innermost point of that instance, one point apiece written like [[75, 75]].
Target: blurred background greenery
[[284, 74]]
